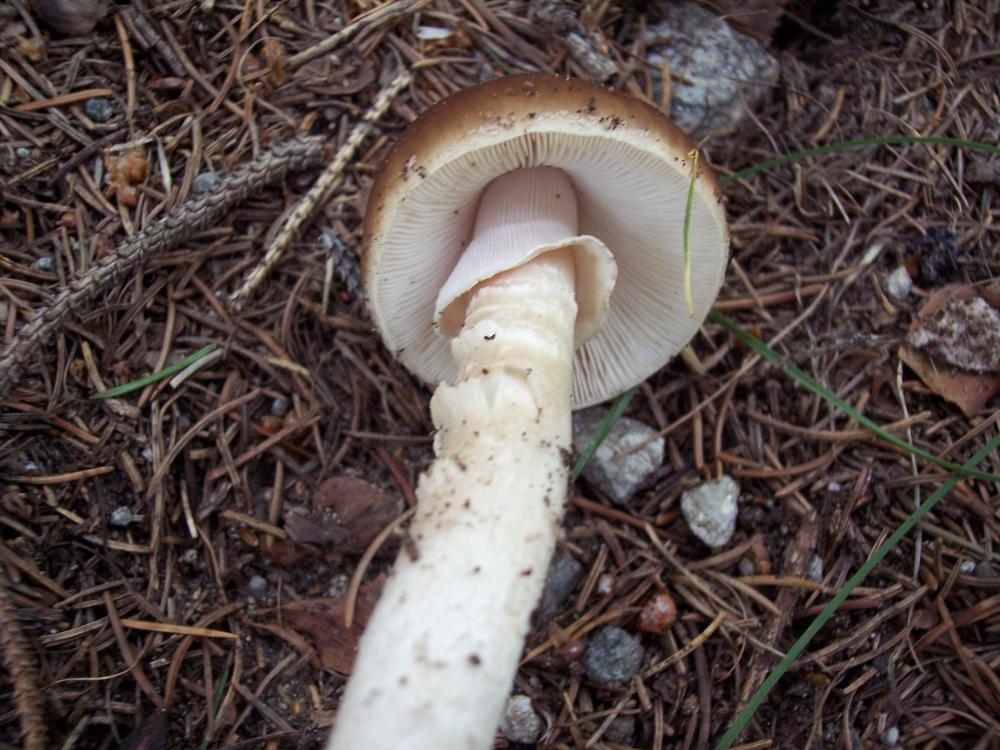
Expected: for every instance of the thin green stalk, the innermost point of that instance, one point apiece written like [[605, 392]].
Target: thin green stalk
[[736, 728], [800, 377], [166, 372], [602, 431], [885, 140], [220, 689]]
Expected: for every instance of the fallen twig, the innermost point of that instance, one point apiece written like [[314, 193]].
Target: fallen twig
[[193, 215], [374, 18], [17, 655], [321, 188]]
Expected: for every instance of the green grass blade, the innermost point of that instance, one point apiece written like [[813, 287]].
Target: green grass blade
[[220, 690], [886, 140], [687, 232], [802, 379], [736, 728], [166, 372], [602, 431]]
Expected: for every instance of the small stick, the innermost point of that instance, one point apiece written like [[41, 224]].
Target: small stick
[[18, 656], [375, 17], [293, 155], [320, 189]]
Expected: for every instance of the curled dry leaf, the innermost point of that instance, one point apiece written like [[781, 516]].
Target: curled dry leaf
[[348, 513], [322, 620], [958, 324]]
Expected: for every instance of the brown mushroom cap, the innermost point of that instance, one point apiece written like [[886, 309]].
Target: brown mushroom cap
[[630, 169]]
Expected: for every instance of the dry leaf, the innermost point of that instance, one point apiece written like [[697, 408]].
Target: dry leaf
[[323, 621], [968, 390], [348, 513]]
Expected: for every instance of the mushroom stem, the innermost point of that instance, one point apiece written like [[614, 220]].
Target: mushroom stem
[[438, 658]]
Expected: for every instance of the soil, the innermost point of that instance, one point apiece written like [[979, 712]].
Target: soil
[[159, 634]]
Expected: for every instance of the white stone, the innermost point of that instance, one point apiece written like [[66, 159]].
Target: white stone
[[714, 69], [710, 511], [519, 722], [616, 469], [815, 569], [898, 284]]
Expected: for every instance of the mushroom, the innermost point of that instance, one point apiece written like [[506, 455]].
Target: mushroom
[[523, 250]]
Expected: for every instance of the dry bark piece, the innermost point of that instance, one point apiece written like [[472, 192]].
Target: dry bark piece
[[969, 390]]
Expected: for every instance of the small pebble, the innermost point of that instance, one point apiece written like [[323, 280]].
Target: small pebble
[[658, 614], [279, 407], [967, 567], [563, 575], [190, 556], [834, 487], [519, 722], [22, 153], [890, 737], [30, 466], [815, 570], [621, 730], [257, 585], [626, 458], [121, 516], [898, 284], [710, 511], [98, 109], [986, 569], [44, 263], [746, 567], [204, 182], [613, 656]]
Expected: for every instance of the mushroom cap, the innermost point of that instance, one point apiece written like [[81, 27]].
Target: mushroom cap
[[630, 168]]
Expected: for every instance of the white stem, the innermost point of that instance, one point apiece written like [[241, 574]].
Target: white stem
[[439, 655]]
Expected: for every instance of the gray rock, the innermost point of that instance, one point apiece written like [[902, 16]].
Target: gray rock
[[279, 407], [614, 469], [204, 182], [746, 567], [968, 567], [815, 570], [121, 517], [714, 68], [621, 731], [98, 109], [257, 585], [890, 737], [22, 153], [710, 511], [985, 569], [613, 656], [563, 575], [44, 263], [898, 284], [519, 722]]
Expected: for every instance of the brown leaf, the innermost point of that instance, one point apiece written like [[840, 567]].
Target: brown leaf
[[348, 513], [970, 391], [284, 553], [323, 621]]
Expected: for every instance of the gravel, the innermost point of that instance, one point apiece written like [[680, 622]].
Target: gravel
[[710, 511], [613, 656]]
